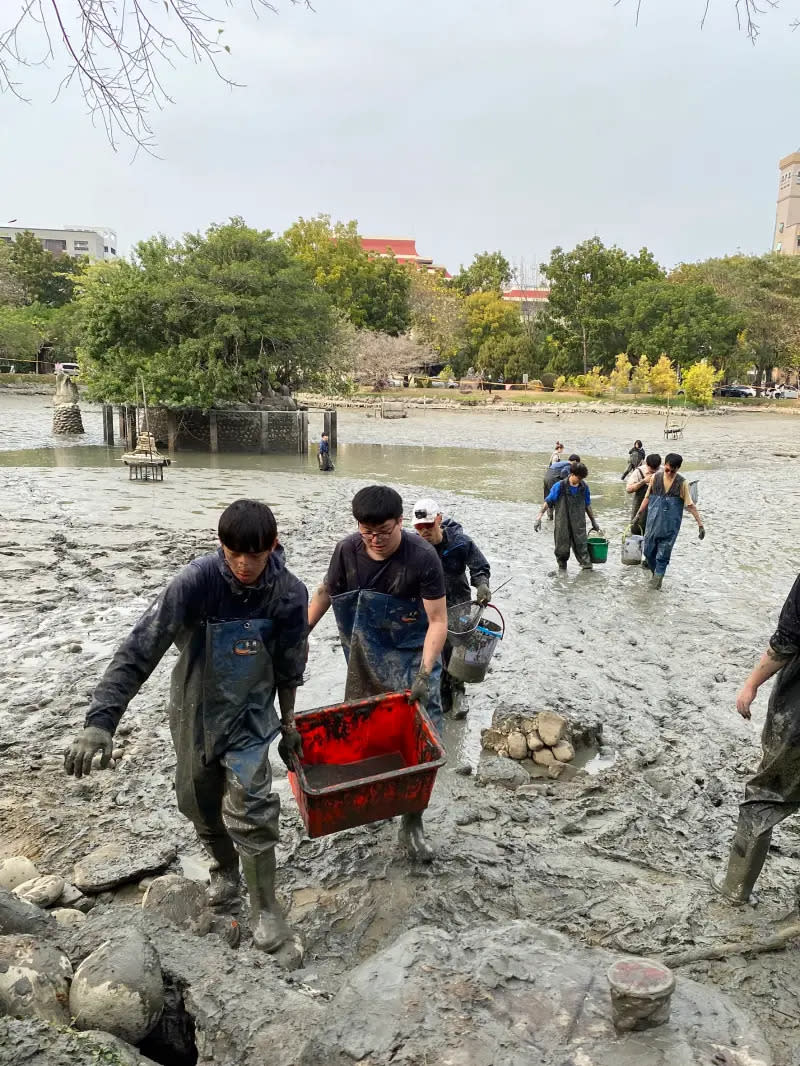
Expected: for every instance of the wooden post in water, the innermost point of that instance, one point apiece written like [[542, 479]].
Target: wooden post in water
[[108, 424], [329, 427], [133, 431], [172, 430], [213, 436], [264, 432], [123, 424]]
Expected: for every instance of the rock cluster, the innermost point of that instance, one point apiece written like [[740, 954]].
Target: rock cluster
[[540, 739], [67, 419]]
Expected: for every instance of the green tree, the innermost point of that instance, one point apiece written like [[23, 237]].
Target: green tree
[[438, 318], [489, 315], [509, 354], [686, 319], [699, 381], [587, 286], [213, 318], [640, 378], [488, 272], [20, 338], [620, 376], [663, 379], [44, 278], [372, 291], [12, 293]]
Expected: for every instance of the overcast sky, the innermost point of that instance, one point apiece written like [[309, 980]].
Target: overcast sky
[[511, 124]]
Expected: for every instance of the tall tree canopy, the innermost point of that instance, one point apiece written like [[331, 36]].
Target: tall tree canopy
[[488, 272], [43, 278]]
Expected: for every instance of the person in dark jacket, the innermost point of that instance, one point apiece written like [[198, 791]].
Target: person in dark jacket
[[774, 792], [458, 553], [572, 503], [239, 620], [557, 472], [324, 453], [635, 457]]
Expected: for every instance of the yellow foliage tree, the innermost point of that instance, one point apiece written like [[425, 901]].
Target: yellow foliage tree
[[640, 380], [595, 382], [620, 376], [663, 379], [699, 381]]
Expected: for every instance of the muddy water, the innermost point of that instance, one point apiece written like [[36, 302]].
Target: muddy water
[[618, 858]]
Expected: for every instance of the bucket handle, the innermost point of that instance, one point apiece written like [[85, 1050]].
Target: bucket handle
[[502, 620]]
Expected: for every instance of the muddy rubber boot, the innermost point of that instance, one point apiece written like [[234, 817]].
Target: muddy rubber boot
[[269, 926], [225, 883], [645, 565], [744, 865], [412, 838], [458, 700], [656, 581], [562, 564], [587, 566]]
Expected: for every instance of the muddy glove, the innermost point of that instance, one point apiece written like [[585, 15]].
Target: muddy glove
[[419, 690], [701, 532], [483, 594], [79, 755], [537, 526], [290, 746]]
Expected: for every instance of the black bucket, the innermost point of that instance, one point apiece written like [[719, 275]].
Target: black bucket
[[473, 639]]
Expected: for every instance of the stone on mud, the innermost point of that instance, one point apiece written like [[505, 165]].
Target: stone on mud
[[564, 751], [515, 994], [68, 916], [544, 757], [43, 891], [34, 979], [180, 900], [19, 916], [36, 1043], [535, 742], [122, 861], [517, 745], [119, 987], [494, 770], [16, 871], [551, 727]]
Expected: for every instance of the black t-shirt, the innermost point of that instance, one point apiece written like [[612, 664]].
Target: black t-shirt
[[413, 572]]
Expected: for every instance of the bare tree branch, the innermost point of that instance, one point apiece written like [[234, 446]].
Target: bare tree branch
[[115, 51], [748, 14]]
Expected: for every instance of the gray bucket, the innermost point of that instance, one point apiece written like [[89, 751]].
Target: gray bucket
[[473, 639]]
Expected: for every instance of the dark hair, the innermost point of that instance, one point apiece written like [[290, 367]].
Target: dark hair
[[376, 504], [574, 458], [674, 460], [248, 526], [653, 461], [579, 470], [324, 434], [637, 444]]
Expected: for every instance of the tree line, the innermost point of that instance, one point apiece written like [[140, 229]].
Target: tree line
[[225, 315]]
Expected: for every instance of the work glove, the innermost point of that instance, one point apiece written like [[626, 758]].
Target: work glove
[[419, 690], [79, 755], [701, 532], [483, 594], [537, 526], [290, 746]]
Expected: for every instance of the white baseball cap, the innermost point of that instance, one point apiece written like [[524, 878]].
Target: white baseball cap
[[425, 511]]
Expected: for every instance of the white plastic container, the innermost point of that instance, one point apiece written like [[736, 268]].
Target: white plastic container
[[632, 549]]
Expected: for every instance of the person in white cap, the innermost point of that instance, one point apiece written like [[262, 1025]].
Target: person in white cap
[[458, 553]]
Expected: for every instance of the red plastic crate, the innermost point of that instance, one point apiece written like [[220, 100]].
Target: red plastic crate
[[364, 761]]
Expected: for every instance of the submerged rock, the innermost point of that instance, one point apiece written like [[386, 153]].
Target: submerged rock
[[122, 861], [34, 979], [119, 988], [16, 871]]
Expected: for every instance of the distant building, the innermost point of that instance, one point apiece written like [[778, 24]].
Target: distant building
[[97, 242], [404, 250], [787, 215], [531, 301]]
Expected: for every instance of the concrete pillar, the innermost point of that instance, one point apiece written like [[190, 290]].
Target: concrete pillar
[[108, 424], [172, 430], [133, 429], [302, 436], [329, 427], [264, 432], [123, 424], [213, 437]]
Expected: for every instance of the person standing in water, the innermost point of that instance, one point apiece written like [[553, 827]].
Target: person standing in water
[[666, 498], [635, 457], [387, 590], [558, 453], [572, 504], [638, 484], [458, 553], [557, 472], [324, 453], [238, 618]]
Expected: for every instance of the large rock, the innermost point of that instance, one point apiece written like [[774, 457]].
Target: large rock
[[180, 900], [43, 891], [122, 861], [512, 995], [119, 988], [495, 770], [551, 727], [34, 979], [35, 1043], [15, 871], [19, 916]]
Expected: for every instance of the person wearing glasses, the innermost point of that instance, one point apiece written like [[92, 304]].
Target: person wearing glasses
[[666, 498], [458, 553], [387, 590]]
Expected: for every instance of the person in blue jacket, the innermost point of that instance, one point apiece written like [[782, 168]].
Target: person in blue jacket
[[458, 553], [238, 618], [557, 471], [572, 503]]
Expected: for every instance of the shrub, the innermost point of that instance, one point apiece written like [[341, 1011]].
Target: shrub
[[663, 379], [699, 381]]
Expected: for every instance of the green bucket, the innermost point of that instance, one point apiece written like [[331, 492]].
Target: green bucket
[[598, 549]]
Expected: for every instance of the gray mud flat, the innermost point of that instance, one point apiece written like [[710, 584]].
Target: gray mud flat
[[616, 861]]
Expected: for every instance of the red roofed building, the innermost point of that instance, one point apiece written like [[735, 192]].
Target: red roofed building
[[404, 250], [531, 301]]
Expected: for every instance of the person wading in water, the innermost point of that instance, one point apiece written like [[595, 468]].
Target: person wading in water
[[666, 497], [572, 505]]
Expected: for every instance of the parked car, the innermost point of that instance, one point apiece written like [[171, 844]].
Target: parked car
[[734, 390], [68, 368], [786, 392]]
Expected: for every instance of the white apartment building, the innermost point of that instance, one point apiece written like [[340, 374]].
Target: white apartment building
[[97, 242]]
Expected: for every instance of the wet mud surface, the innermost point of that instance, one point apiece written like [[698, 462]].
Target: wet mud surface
[[618, 859]]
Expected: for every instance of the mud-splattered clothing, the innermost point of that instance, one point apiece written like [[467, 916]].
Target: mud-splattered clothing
[[412, 571], [664, 516], [237, 644], [570, 503]]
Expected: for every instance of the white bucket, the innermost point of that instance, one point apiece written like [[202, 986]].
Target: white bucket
[[693, 494], [632, 549]]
